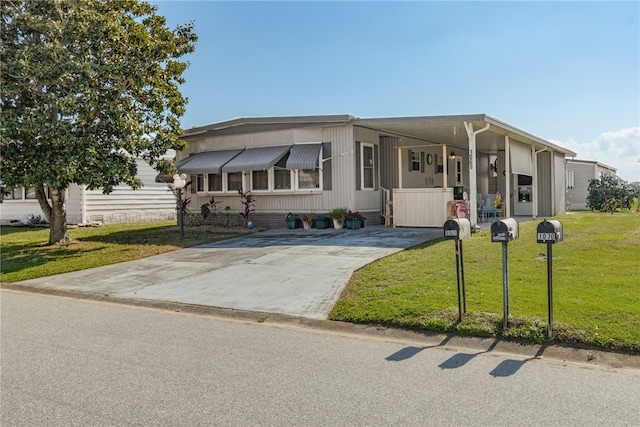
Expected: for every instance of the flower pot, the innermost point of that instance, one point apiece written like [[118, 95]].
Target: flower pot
[[322, 221], [307, 225], [353, 223], [338, 224], [292, 222]]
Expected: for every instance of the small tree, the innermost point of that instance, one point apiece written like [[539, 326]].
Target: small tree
[[607, 194]]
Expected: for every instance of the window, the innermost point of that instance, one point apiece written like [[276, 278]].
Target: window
[[308, 179], [260, 180], [16, 193], [367, 167], [458, 171], [30, 193], [200, 183], [416, 163], [234, 181], [570, 178], [281, 175], [214, 182]]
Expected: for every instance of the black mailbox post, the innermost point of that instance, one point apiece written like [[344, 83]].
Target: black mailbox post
[[458, 229], [549, 232], [503, 231]]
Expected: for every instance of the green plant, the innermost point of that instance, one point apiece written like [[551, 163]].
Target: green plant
[[209, 209], [608, 194], [339, 214], [307, 217]]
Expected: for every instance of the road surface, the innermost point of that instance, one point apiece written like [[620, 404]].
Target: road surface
[[73, 362]]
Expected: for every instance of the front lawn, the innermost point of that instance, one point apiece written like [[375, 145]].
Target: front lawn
[[25, 254], [596, 284]]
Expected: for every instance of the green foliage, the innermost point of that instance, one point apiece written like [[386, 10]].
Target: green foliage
[[88, 86], [608, 194]]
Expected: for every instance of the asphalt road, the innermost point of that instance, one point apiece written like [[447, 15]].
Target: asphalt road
[[74, 362]]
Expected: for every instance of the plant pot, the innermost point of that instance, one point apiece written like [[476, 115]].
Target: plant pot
[[322, 221], [293, 223], [353, 223], [307, 225], [338, 224]]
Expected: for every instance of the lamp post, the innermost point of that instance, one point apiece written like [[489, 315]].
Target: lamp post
[[179, 181]]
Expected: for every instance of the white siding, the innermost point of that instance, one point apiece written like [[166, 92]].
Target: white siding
[[560, 176], [151, 201], [343, 174], [582, 174]]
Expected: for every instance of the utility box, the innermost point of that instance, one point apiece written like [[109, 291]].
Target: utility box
[[549, 231], [504, 230], [457, 229]]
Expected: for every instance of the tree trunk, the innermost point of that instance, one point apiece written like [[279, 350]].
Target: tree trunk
[[55, 212]]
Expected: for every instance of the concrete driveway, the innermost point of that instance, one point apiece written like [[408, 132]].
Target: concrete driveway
[[294, 272]]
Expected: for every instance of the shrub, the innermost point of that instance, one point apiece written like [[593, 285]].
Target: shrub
[[607, 194]]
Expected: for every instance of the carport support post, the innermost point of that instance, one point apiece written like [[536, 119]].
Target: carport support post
[[505, 285], [458, 242], [464, 292], [550, 288]]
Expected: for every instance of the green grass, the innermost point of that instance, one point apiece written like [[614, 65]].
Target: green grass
[[596, 285], [26, 255]]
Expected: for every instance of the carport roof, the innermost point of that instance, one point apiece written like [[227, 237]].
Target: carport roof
[[445, 129]]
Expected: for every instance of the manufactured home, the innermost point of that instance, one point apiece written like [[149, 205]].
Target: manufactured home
[[579, 173], [153, 201], [402, 171]]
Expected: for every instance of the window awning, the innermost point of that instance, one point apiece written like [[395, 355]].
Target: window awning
[[304, 156], [206, 162], [254, 159]]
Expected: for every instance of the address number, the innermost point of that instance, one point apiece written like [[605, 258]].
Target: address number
[[547, 237]]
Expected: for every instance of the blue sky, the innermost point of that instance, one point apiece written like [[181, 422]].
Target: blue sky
[[565, 71]]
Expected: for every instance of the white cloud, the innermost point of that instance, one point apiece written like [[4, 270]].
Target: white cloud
[[619, 149]]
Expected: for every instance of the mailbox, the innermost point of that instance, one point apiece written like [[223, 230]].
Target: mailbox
[[550, 231], [457, 229], [504, 230]]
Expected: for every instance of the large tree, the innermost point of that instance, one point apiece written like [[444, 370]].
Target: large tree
[[87, 86]]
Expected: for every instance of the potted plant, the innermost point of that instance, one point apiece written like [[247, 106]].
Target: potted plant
[[338, 216], [322, 221], [353, 220], [307, 220], [292, 221]]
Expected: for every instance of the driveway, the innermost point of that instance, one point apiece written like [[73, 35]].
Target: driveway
[[294, 272]]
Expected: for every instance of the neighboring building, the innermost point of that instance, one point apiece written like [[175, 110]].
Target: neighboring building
[[579, 173], [152, 201], [318, 163]]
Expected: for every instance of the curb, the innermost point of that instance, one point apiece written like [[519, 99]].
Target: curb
[[557, 353]]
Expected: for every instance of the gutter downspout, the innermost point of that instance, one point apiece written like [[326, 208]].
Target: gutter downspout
[[473, 181], [507, 176], [535, 179]]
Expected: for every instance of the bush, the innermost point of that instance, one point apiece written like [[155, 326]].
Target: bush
[[607, 194]]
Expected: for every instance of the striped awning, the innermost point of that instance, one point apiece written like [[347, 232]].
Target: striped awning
[[304, 156], [254, 159], [207, 161]]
